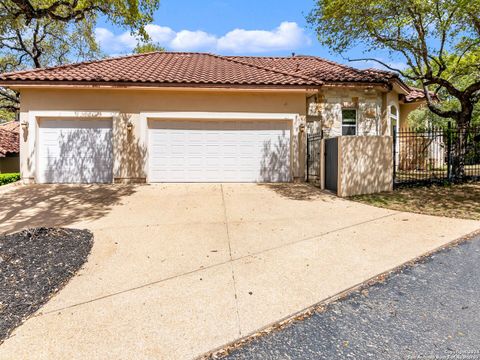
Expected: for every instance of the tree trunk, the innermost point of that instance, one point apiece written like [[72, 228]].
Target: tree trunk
[[460, 145]]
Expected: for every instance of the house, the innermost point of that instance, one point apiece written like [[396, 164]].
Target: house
[[195, 117], [9, 147]]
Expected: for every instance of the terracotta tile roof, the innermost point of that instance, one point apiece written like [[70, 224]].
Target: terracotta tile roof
[[165, 68], [416, 95], [11, 126], [318, 68], [9, 142], [170, 68]]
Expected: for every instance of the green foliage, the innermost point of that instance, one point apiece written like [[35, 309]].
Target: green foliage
[[143, 48], [43, 33], [8, 178], [438, 39], [132, 14]]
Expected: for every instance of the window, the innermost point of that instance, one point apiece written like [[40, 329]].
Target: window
[[349, 122], [394, 118]]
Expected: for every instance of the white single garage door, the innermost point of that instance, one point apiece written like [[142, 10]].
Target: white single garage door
[[219, 151], [75, 151]]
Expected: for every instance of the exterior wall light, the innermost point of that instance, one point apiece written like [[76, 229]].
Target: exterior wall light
[[302, 128], [129, 126], [24, 125]]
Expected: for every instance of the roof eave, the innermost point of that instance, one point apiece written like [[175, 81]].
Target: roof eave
[[19, 84]]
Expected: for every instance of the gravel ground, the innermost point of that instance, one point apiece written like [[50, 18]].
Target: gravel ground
[[35, 264], [428, 311]]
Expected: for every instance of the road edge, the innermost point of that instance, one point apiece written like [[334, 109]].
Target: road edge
[[321, 306]]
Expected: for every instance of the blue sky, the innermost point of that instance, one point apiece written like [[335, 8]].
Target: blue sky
[[244, 27]]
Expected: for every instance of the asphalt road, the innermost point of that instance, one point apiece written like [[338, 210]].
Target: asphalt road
[[428, 311]]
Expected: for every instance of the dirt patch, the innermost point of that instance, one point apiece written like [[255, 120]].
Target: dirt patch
[[456, 201], [34, 265]]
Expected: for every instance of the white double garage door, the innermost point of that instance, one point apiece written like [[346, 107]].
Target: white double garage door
[[82, 151]]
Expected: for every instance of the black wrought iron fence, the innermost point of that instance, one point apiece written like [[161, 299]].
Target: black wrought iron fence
[[436, 155], [313, 156]]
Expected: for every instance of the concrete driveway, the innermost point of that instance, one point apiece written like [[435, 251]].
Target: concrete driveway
[[178, 270]]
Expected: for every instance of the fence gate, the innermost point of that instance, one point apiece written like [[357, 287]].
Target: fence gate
[[314, 142], [331, 164]]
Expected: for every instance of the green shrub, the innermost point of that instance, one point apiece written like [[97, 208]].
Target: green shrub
[[8, 178]]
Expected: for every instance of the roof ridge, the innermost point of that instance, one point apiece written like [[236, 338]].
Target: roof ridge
[[315, 57], [319, 82], [358, 71]]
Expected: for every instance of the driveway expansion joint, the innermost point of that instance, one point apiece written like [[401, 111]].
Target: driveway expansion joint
[[231, 260], [200, 269]]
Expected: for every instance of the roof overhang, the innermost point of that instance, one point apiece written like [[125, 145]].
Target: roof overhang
[[19, 85]]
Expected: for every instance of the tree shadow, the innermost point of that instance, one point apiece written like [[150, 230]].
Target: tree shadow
[[299, 191], [79, 156], [57, 205], [275, 163]]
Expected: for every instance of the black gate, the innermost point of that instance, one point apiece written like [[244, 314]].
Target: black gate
[[314, 142], [331, 164]]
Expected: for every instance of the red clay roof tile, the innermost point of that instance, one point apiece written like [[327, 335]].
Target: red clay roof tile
[[197, 69], [9, 142], [201, 68]]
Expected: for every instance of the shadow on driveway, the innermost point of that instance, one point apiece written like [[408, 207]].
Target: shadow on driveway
[[300, 191], [57, 205]]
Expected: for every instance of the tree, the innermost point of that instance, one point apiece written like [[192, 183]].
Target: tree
[[147, 47], [438, 39], [41, 33], [43, 43], [133, 14]]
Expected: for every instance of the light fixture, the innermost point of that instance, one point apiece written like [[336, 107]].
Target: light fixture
[[24, 125], [129, 126], [302, 127]]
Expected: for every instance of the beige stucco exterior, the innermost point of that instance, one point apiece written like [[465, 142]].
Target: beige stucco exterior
[[137, 106], [358, 171], [314, 110]]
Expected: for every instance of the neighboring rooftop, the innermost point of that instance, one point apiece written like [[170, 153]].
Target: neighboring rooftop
[[10, 126], [9, 138]]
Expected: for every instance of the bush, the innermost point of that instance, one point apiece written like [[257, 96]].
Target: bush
[[8, 178]]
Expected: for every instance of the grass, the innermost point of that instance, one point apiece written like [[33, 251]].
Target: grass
[[8, 178], [456, 200]]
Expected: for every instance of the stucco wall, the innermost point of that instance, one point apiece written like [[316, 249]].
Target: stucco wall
[[405, 110], [9, 164], [365, 165], [325, 112], [130, 149]]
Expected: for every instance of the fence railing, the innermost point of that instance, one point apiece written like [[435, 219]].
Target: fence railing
[[436, 155]]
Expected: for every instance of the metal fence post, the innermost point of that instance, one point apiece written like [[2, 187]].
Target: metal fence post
[[308, 157], [394, 154], [449, 151]]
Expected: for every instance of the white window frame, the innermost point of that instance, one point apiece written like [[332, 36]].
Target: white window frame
[[356, 121]]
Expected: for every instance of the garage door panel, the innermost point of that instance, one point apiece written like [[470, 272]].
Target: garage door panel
[[216, 151], [75, 151]]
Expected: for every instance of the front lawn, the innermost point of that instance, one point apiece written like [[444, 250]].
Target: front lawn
[[459, 201]]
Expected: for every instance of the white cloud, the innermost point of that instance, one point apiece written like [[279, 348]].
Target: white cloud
[[160, 34], [111, 43], [288, 36], [186, 40]]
